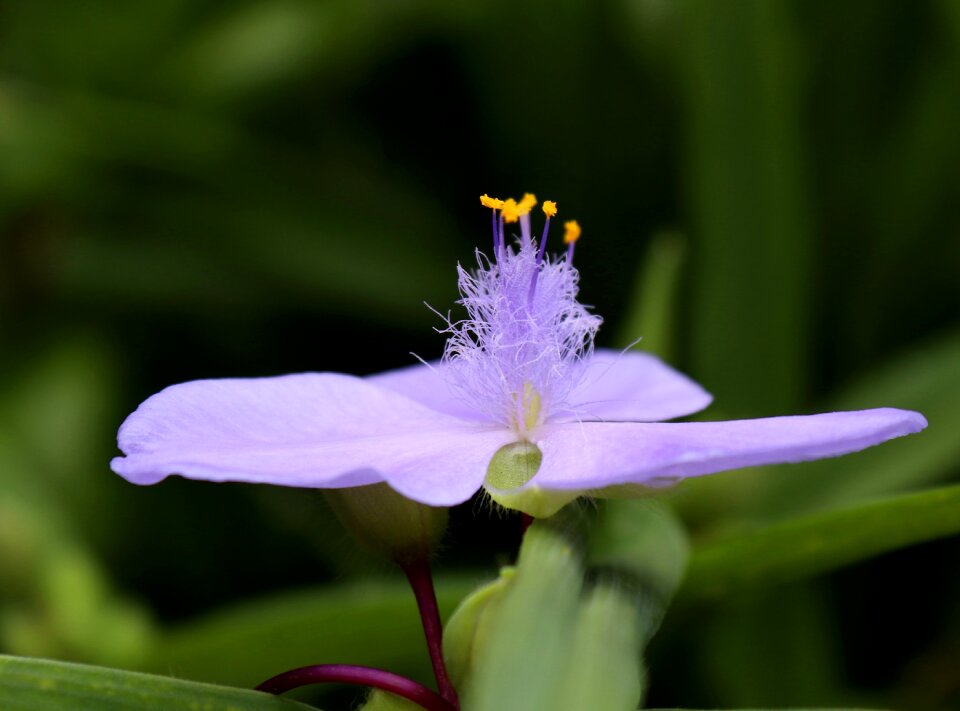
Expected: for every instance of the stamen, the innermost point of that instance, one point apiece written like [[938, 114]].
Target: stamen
[[501, 244], [519, 356], [570, 237], [549, 209], [527, 203], [495, 204], [526, 236], [488, 201], [510, 210]]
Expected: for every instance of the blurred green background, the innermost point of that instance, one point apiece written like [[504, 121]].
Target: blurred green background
[[768, 191]]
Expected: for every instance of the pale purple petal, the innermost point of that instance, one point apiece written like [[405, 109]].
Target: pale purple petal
[[321, 430], [444, 467], [429, 384], [591, 455], [631, 386]]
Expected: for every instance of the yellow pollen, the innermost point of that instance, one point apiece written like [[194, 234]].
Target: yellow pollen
[[572, 233], [549, 208], [488, 201], [527, 203], [511, 210]]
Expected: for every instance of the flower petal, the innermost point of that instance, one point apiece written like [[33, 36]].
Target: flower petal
[[591, 455], [632, 386], [322, 430], [428, 384]]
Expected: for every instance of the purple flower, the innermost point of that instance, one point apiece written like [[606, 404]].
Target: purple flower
[[521, 403]]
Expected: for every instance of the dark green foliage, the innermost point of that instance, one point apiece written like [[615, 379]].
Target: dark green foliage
[[768, 191]]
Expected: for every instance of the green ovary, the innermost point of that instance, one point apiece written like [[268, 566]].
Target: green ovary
[[511, 468]]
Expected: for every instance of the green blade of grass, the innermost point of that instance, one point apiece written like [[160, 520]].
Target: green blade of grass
[[926, 379], [746, 183], [652, 309], [804, 547], [44, 685]]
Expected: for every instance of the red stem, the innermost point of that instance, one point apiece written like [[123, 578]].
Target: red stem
[[421, 581], [362, 676], [525, 521]]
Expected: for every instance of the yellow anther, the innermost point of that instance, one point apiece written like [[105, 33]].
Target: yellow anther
[[572, 233], [549, 208], [488, 201], [511, 210], [527, 203]]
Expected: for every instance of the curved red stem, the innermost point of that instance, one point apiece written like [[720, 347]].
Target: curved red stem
[[362, 676], [421, 582]]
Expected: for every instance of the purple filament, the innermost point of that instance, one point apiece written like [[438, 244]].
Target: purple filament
[[500, 240], [540, 252]]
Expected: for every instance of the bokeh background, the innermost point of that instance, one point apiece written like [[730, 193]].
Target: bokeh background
[[768, 191]]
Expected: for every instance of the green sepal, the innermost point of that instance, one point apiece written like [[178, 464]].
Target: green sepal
[[467, 629], [526, 641]]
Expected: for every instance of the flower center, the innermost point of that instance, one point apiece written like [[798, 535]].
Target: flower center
[[518, 350], [528, 407]]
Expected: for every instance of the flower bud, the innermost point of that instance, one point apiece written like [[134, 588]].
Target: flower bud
[[388, 523]]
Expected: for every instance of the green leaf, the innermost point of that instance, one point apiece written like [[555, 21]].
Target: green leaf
[[374, 623], [644, 539], [73, 612], [746, 183], [775, 646], [258, 46], [43, 685], [58, 600], [927, 379], [652, 309], [803, 547], [57, 408]]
